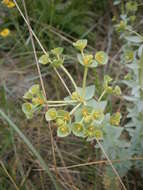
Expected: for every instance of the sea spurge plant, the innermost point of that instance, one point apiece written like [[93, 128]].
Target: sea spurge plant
[[35, 100], [131, 7], [44, 59], [101, 57], [115, 119], [87, 117], [80, 44], [98, 116], [131, 58], [51, 114], [78, 129], [54, 57], [64, 130]]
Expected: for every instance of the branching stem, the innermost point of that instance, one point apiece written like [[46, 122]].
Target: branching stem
[[70, 77], [101, 96], [75, 108], [84, 81]]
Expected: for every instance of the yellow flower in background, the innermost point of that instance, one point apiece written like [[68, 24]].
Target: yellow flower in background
[[5, 32], [9, 3], [5, 2]]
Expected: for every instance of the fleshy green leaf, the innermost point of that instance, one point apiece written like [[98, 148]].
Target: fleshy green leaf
[[97, 105], [90, 131], [89, 92], [98, 116], [44, 59], [57, 62], [64, 115], [140, 50], [27, 108], [51, 114], [115, 119], [98, 134], [28, 96], [78, 129], [34, 90], [63, 131], [92, 63], [134, 39], [80, 44], [117, 91], [101, 57], [57, 51]]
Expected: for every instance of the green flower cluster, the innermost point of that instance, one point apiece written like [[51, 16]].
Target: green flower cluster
[[128, 18], [87, 118], [35, 100], [54, 57], [115, 119], [62, 119], [88, 127], [89, 60], [131, 7], [109, 88]]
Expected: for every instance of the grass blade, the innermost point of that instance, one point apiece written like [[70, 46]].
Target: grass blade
[[30, 146]]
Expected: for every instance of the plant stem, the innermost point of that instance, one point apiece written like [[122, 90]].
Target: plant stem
[[70, 77], [82, 53], [57, 105], [103, 93], [84, 81], [75, 108], [61, 101], [62, 81], [132, 31], [34, 50]]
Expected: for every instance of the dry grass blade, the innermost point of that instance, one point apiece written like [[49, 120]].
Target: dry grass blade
[[63, 82], [9, 176], [34, 49], [30, 146], [38, 41]]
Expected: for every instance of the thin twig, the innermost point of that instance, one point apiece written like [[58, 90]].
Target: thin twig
[[70, 77], [57, 105], [63, 81], [53, 149], [34, 49], [17, 6], [75, 108], [25, 177], [94, 163], [99, 162], [63, 163], [33, 45], [33, 33], [11, 179]]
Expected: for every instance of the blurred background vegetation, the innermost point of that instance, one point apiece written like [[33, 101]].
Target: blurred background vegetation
[[56, 23]]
